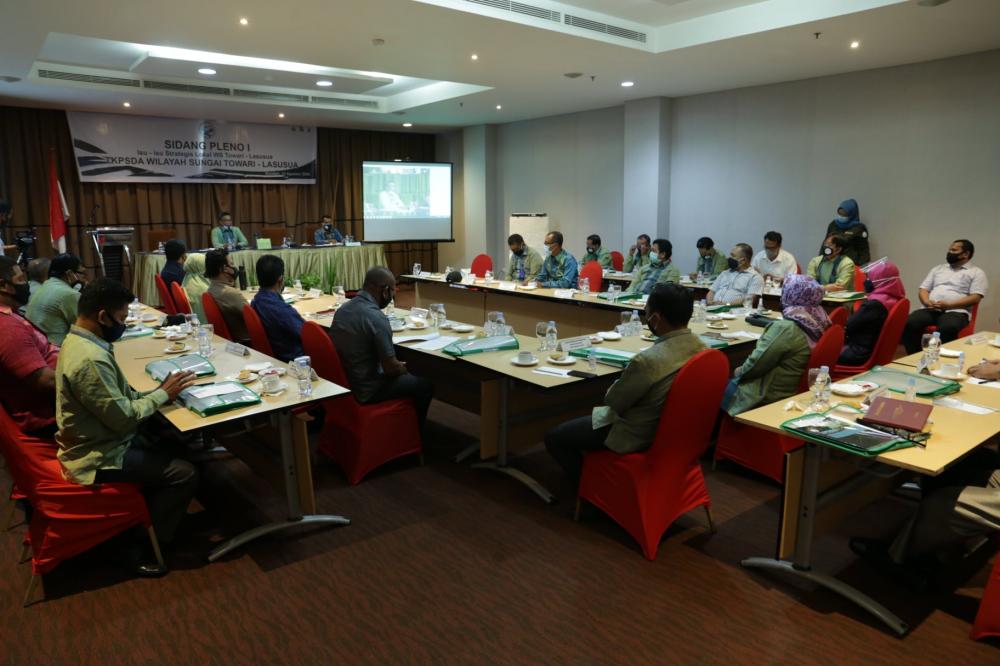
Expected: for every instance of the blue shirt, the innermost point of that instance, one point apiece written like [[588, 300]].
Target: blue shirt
[[321, 236], [282, 323], [172, 272], [559, 271]]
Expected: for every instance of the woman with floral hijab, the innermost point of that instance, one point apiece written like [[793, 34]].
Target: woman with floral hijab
[[775, 367]]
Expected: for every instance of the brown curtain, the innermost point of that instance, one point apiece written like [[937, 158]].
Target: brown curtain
[[29, 136]]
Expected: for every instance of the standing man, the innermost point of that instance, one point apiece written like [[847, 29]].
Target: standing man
[[774, 262], [833, 269], [597, 253], [948, 294], [221, 273], [711, 262], [638, 254], [525, 263], [226, 235], [173, 270], [53, 307], [282, 322], [363, 339], [327, 233], [559, 268], [739, 281], [659, 270]]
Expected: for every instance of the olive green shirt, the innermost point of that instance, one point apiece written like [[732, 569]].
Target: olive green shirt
[[773, 370], [634, 403], [52, 308], [649, 276], [634, 261], [219, 238], [822, 271], [602, 256], [712, 264], [531, 260], [97, 411]]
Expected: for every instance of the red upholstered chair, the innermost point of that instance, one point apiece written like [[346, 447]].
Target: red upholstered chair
[[181, 301], [839, 316], [67, 518], [255, 327], [859, 279], [617, 260], [987, 621], [798, 268], [166, 300], [645, 492], [214, 316], [885, 348], [763, 451], [593, 271], [969, 329], [481, 264], [358, 437]]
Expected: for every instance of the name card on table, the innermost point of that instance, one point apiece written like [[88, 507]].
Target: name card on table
[[507, 286], [237, 349], [564, 293], [315, 293], [419, 313], [579, 342], [263, 243]]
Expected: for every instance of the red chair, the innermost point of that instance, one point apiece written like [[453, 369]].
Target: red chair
[[798, 268], [181, 301], [481, 264], [645, 492], [255, 327], [859, 279], [67, 518], [969, 329], [987, 621], [617, 260], [885, 348], [592, 270], [214, 316], [165, 298], [839, 317], [763, 451], [359, 437]]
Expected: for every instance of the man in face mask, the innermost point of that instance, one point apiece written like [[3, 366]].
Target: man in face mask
[[99, 415], [559, 270], [595, 252], [524, 263], [948, 294], [833, 269], [53, 306], [773, 261], [220, 271], [638, 254], [27, 359], [327, 232], [659, 270], [739, 281], [226, 235]]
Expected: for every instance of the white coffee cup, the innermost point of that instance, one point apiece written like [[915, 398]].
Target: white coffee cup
[[949, 369], [269, 381], [525, 357]]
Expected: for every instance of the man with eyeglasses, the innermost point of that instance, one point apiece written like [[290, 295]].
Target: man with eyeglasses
[[53, 307]]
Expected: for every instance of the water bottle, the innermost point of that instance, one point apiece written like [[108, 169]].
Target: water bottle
[[204, 342], [911, 389], [592, 359], [634, 324], [298, 287], [304, 372], [934, 349], [821, 389], [134, 308], [698, 314], [551, 336], [961, 362]]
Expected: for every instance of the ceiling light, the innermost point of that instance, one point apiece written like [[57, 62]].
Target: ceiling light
[[10, 79], [127, 104], [244, 21], [323, 83], [855, 44], [499, 107], [474, 56], [281, 115], [207, 71], [628, 84], [407, 124]]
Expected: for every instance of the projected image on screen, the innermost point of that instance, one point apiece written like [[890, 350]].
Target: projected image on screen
[[406, 201]]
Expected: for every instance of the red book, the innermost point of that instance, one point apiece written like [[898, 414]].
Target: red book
[[892, 413]]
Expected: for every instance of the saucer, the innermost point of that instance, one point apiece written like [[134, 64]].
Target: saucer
[[955, 378], [278, 391], [463, 328], [716, 325], [515, 361], [565, 360], [610, 335], [596, 339], [647, 337], [848, 389], [414, 327], [249, 380], [149, 316], [159, 334], [949, 353], [171, 350]]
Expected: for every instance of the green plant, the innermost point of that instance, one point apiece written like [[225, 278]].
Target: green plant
[[310, 281]]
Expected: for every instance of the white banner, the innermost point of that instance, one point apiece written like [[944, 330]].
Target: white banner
[[144, 149]]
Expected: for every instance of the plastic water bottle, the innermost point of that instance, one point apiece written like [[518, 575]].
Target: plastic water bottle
[[911, 389], [592, 359], [634, 324], [204, 342], [934, 349], [134, 308], [298, 287], [304, 371], [961, 362], [821, 389], [551, 336]]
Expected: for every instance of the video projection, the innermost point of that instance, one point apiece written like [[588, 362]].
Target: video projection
[[406, 201]]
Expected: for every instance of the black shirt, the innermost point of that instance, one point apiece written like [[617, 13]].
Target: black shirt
[[173, 272], [363, 337]]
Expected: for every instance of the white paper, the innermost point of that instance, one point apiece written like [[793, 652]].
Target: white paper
[[549, 370], [413, 338], [741, 334], [983, 382], [215, 389], [955, 403], [440, 342]]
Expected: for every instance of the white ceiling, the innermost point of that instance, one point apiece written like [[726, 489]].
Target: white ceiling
[[697, 46]]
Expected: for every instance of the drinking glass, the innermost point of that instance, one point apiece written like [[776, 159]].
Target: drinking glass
[[493, 320], [489, 276], [436, 311], [541, 328], [626, 320], [416, 269], [338, 294], [186, 326], [925, 339], [585, 285], [613, 291]]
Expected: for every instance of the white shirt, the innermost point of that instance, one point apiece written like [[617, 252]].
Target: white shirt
[[946, 283], [784, 264], [734, 286]]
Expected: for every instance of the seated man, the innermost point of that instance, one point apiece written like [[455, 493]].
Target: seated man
[[833, 269], [711, 262], [38, 271], [53, 307], [739, 281], [638, 254], [173, 270], [659, 270], [282, 322], [363, 339], [559, 268], [99, 415], [226, 235], [524, 263], [948, 294], [774, 262], [27, 359], [220, 270], [627, 421], [595, 252], [327, 233]]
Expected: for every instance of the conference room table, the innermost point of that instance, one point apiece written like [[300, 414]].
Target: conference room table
[[332, 264], [268, 436], [772, 297], [823, 486]]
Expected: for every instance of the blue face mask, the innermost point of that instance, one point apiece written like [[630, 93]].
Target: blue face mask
[[842, 218]]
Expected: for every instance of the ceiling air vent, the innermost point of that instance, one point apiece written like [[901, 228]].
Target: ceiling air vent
[[87, 78], [520, 8], [271, 96], [346, 101], [597, 26], [185, 87]]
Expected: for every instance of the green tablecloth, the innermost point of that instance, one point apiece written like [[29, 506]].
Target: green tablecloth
[[334, 265]]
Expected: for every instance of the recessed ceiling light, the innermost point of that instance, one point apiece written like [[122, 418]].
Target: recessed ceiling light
[[628, 84], [855, 44], [207, 71], [407, 124], [499, 107], [323, 83], [127, 104], [474, 56], [281, 115], [244, 21]]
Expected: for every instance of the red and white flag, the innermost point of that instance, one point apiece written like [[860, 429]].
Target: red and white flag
[[58, 212]]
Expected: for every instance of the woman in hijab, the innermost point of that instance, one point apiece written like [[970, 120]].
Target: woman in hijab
[[195, 283], [848, 224], [885, 289], [775, 367]]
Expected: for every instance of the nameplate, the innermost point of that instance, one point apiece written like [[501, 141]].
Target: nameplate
[[507, 286], [564, 293], [419, 313], [315, 293], [579, 342], [263, 243], [237, 349], [353, 244]]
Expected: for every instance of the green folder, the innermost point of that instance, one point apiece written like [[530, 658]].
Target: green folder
[[843, 434], [480, 345], [623, 296], [713, 343], [199, 365], [896, 380], [209, 399], [615, 357], [720, 308]]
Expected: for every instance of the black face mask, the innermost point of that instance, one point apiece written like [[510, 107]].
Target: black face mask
[[518, 253], [328, 228], [112, 333], [953, 257], [869, 286], [733, 264], [21, 292]]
